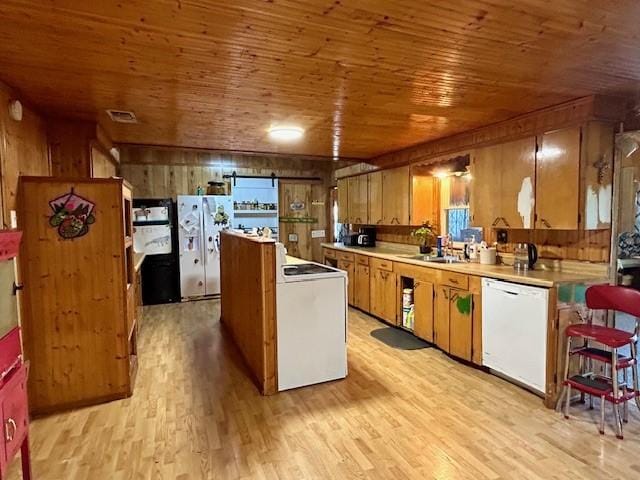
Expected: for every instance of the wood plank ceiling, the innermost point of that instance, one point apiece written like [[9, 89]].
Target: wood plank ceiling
[[363, 77]]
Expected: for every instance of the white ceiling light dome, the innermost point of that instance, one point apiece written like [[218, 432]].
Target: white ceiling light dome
[[286, 133]]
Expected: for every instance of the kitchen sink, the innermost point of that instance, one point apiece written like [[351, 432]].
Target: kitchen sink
[[432, 259]]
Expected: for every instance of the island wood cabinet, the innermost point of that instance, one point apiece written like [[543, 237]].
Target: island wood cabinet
[[383, 299], [362, 285]]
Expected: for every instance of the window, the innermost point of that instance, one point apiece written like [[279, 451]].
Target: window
[[454, 191]]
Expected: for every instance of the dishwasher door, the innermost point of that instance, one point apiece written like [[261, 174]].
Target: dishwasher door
[[514, 331]]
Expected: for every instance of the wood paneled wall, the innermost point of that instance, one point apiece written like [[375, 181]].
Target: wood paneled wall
[[164, 172], [591, 245], [248, 304], [559, 116], [79, 148], [315, 197], [23, 150]]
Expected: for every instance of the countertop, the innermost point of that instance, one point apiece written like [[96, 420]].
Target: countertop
[[537, 278], [138, 258]]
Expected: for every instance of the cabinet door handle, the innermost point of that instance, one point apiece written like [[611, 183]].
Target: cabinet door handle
[[545, 222], [505, 222], [453, 280], [10, 428], [495, 222]]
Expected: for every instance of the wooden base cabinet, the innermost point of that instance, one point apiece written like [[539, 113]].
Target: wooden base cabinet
[[383, 299], [423, 295], [453, 324], [362, 283], [346, 262]]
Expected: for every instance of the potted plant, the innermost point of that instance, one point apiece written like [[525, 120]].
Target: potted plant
[[424, 234]]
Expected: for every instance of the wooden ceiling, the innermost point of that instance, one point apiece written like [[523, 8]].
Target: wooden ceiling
[[363, 77]]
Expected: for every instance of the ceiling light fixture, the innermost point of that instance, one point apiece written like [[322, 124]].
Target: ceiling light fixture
[[285, 134]]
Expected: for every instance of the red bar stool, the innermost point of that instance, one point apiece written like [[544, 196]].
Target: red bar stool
[[608, 388]]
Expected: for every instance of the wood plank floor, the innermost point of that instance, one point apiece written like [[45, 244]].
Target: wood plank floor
[[399, 414]]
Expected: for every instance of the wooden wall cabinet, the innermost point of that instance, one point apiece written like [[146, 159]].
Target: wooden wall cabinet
[[343, 200], [374, 198], [503, 188], [78, 304], [558, 180], [358, 199], [425, 199], [383, 299], [396, 190], [362, 283]]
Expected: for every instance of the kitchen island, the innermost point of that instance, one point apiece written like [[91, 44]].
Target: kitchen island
[[286, 315], [448, 299]]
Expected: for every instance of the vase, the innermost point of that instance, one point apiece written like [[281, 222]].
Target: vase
[[425, 249]]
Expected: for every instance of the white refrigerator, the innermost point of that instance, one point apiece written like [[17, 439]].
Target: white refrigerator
[[201, 218]]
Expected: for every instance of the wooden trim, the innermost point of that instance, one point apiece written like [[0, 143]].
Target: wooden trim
[[551, 392], [342, 161], [566, 114]]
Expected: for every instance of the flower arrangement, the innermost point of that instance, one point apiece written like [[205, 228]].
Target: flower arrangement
[[425, 234]]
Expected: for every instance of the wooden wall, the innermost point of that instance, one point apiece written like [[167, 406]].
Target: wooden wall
[[552, 118], [165, 172], [23, 150], [315, 196]]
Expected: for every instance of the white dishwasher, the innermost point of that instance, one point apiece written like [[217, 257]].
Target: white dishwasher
[[514, 331]]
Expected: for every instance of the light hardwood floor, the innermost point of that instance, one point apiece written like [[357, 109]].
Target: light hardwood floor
[[399, 414]]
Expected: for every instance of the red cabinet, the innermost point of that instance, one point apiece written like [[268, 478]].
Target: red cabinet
[[14, 407]]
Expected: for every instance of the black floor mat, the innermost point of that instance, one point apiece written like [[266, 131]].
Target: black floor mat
[[397, 338]]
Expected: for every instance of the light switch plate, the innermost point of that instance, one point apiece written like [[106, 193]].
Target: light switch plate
[[318, 234], [293, 237]]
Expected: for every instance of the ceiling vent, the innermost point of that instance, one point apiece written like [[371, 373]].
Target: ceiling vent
[[122, 116]]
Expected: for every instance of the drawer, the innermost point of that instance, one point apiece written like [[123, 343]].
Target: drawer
[[381, 264], [15, 413], [328, 253], [362, 260], [345, 257], [452, 279]]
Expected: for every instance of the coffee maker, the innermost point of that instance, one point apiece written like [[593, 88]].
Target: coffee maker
[[367, 237]]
